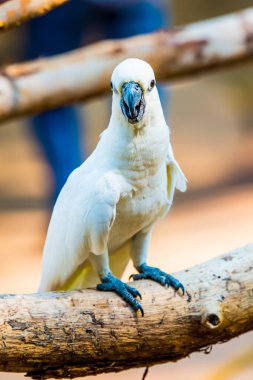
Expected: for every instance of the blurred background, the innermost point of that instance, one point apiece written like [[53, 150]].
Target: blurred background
[[211, 118]]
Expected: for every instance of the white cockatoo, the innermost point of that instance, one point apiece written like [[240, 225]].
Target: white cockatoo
[[105, 213]]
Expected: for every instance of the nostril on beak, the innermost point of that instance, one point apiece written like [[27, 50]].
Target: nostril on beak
[[137, 107]]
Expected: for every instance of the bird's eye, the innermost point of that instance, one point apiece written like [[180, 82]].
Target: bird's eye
[[152, 85], [113, 88]]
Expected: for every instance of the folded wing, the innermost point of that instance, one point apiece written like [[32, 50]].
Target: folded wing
[[80, 224], [175, 176]]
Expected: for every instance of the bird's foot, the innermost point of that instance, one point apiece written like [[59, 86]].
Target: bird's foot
[[152, 273], [129, 294]]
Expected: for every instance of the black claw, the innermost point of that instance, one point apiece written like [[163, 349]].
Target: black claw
[[139, 295], [141, 310], [128, 293], [159, 276], [133, 291], [138, 276], [180, 286], [176, 284], [136, 305]]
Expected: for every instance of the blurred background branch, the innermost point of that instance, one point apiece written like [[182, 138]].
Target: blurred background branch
[[15, 12], [80, 333], [85, 73]]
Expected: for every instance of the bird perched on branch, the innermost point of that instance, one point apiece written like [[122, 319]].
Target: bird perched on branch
[[105, 213]]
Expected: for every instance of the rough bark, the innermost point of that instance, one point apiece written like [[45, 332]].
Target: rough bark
[[82, 74], [15, 12], [78, 333]]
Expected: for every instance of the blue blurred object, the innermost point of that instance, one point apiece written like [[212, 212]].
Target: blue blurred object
[[66, 28]]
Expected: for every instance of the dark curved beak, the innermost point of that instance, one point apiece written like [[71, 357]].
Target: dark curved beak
[[132, 102]]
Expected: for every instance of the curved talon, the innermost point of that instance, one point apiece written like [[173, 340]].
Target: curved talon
[[176, 284], [126, 292], [138, 276], [141, 310], [137, 306], [139, 294], [155, 274], [133, 291], [182, 288]]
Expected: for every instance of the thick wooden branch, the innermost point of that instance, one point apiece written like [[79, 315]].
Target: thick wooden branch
[[78, 333], [85, 73], [15, 12]]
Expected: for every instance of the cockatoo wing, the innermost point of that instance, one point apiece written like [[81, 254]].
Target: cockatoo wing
[[86, 277], [82, 218], [175, 176]]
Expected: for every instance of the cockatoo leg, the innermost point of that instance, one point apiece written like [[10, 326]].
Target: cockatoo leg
[[155, 274], [139, 251], [112, 283]]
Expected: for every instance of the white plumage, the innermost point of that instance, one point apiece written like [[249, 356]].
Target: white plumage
[[110, 203]]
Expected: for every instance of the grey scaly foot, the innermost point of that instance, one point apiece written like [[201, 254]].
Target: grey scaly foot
[[111, 283], [152, 273]]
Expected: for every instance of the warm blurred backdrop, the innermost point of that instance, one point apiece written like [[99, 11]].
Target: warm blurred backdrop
[[211, 119]]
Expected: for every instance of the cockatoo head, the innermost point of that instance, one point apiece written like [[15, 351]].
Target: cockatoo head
[[132, 83]]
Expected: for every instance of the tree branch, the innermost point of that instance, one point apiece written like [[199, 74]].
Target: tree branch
[[15, 12], [85, 73], [78, 333]]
